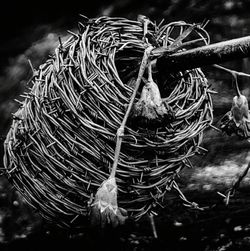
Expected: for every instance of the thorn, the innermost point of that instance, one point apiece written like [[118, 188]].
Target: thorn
[[152, 223], [18, 101], [81, 27], [161, 22], [212, 91], [202, 148], [74, 218], [72, 33], [89, 183], [215, 128], [84, 17], [204, 23], [32, 68], [60, 42], [221, 194]]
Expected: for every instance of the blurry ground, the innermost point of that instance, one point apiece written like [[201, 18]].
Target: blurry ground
[[31, 32], [217, 227]]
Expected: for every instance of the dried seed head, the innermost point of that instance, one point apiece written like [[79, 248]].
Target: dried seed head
[[105, 210], [239, 110], [237, 119], [150, 108]]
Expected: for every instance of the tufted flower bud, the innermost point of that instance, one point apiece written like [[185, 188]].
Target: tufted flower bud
[[239, 110], [237, 119], [150, 109], [104, 209]]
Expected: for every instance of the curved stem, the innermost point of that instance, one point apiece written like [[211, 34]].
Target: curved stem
[[238, 73], [236, 86], [234, 74], [150, 77], [120, 131], [237, 183]]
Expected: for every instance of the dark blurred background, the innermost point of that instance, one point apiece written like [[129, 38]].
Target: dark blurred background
[[29, 30]]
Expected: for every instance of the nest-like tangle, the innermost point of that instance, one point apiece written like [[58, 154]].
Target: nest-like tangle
[[60, 147]]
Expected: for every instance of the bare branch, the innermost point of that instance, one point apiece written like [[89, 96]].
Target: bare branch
[[205, 55]]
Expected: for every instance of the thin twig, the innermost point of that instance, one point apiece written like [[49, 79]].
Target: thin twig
[[237, 184], [120, 131], [233, 72]]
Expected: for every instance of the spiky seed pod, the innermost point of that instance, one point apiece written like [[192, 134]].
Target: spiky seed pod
[[105, 210]]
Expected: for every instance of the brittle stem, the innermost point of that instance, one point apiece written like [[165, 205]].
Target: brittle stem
[[120, 131]]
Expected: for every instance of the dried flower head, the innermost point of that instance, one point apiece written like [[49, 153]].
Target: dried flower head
[[104, 209], [239, 110], [150, 109], [237, 119]]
